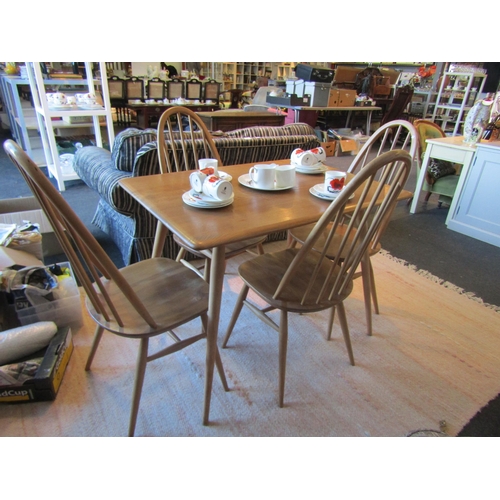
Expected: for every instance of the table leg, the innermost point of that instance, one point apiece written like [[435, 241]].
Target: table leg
[[160, 237], [214, 303], [348, 120], [368, 122], [420, 178]]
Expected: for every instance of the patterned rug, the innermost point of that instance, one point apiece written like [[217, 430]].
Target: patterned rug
[[431, 364]]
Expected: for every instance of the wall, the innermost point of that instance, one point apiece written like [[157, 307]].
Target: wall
[[141, 68]]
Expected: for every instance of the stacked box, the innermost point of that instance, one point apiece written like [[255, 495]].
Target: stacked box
[[45, 383]]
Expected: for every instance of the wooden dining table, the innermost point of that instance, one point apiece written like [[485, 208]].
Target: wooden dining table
[[253, 213]]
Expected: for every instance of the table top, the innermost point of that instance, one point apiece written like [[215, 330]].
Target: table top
[[170, 105], [334, 108], [456, 141], [253, 212]]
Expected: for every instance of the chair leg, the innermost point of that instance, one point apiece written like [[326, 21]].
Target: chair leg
[[95, 344], [428, 195], [220, 369], [365, 272], [139, 381], [330, 323], [373, 290], [345, 331], [283, 344], [260, 249], [237, 309]]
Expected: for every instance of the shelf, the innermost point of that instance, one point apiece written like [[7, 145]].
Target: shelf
[[47, 126]]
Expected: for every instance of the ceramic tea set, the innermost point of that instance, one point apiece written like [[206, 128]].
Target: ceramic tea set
[[59, 100]]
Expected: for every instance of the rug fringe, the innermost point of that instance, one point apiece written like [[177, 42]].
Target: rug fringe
[[439, 281]]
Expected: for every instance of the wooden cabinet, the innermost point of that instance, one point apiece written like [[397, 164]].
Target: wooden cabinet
[[477, 210]]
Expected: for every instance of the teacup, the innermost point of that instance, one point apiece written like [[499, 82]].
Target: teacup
[[319, 153], [71, 100], [59, 99], [208, 166], [217, 188], [263, 175], [303, 158], [150, 101], [334, 181], [285, 176]]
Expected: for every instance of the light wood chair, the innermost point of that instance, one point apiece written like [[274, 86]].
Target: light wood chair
[[398, 134], [307, 279], [184, 156], [139, 301]]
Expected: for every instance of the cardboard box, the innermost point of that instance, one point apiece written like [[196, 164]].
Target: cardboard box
[[346, 147], [347, 98], [329, 147], [17, 210], [45, 384], [333, 100]]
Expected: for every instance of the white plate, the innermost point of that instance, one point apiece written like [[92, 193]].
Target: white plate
[[90, 106], [319, 191], [199, 200], [311, 171], [318, 168], [60, 107], [245, 180]]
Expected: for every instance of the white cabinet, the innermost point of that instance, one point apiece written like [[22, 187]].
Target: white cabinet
[[45, 118], [457, 94], [477, 210]]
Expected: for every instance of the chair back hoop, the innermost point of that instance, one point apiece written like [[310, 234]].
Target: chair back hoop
[[397, 134], [327, 278], [80, 246], [179, 128], [427, 130]]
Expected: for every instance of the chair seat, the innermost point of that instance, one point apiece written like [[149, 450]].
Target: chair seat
[[445, 185], [150, 279], [264, 273], [300, 234]]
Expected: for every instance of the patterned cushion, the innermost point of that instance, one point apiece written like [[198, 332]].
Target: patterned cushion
[[126, 145], [268, 131]]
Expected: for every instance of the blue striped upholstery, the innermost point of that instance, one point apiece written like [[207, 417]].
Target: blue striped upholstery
[[132, 227]]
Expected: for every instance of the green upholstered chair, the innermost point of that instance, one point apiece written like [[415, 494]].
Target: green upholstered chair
[[443, 186]]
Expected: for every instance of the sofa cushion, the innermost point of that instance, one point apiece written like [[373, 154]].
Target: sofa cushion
[[127, 144], [268, 131]]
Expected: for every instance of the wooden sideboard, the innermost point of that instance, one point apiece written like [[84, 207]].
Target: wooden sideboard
[[233, 120]]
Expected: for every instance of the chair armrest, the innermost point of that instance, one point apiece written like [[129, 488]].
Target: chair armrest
[[96, 168]]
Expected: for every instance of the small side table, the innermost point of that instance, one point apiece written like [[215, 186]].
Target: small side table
[[446, 148]]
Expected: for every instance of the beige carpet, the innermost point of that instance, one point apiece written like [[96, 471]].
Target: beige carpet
[[434, 356]]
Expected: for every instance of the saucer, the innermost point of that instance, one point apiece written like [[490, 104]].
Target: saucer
[[200, 200], [318, 168], [90, 106], [319, 191], [245, 180]]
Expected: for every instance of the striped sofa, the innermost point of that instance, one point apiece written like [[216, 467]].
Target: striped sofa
[[134, 153]]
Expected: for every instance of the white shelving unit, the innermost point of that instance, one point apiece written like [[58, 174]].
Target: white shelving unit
[[45, 116], [457, 94]]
